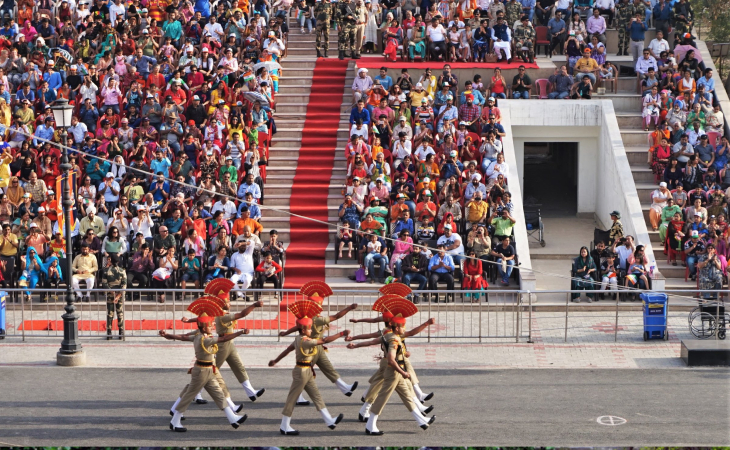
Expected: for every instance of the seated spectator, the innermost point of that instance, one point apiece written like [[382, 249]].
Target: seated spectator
[[241, 264], [218, 264], [503, 224], [477, 210], [561, 83], [403, 224], [376, 252], [191, 269], [268, 271], [583, 274], [414, 267], [505, 254], [452, 242], [473, 277], [401, 248], [163, 242], [441, 268], [162, 277], [371, 226], [582, 89], [246, 220]]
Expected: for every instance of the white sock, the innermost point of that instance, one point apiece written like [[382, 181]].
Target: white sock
[[365, 410], [420, 406], [250, 391], [199, 396], [286, 424], [230, 415], [372, 424], [420, 418], [344, 387], [174, 407], [233, 406], [301, 399], [327, 416], [419, 392], [176, 420]]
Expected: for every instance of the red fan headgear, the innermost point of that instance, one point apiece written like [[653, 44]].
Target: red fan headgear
[[304, 310], [396, 288], [206, 309], [401, 308], [378, 305], [316, 289], [220, 287]]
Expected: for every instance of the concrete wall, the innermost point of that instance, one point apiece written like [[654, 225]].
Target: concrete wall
[[527, 277], [605, 182]]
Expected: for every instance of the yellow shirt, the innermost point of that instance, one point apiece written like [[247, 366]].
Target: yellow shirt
[[476, 210], [586, 65], [5, 170], [416, 97], [8, 245], [85, 264]]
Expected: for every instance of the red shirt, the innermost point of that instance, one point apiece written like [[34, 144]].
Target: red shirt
[[156, 80]]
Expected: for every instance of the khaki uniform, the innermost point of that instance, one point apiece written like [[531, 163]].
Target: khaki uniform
[[305, 350], [361, 16], [227, 351], [203, 375], [376, 381], [218, 377], [392, 380], [319, 325]]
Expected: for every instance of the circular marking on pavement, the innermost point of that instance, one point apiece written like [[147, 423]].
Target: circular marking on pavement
[[611, 421]]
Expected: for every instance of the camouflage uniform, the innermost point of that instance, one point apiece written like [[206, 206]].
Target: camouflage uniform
[[115, 279], [682, 26], [513, 12], [524, 36], [323, 14], [624, 12], [348, 28]]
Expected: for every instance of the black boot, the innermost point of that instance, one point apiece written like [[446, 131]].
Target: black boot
[[121, 333], [325, 53], [532, 57], [108, 334], [356, 55], [319, 54], [342, 54]]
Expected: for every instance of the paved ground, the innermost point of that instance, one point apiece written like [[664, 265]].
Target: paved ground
[[97, 407]]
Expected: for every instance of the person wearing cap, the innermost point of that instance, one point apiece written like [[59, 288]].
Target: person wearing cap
[[110, 189], [525, 36], [705, 152], [616, 232], [694, 248], [361, 84], [114, 280], [347, 15], [683, 18], [43, 223], [586, 65], [469, 113]]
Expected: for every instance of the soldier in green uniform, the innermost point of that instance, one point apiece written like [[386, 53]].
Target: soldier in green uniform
[[525, 37], [683, 17], [320, 324], [203, 373], [513, 12], [114, 278], [376, 381], [624, 13], [306, 348], [395, 373], [348, 28], [323, 14]]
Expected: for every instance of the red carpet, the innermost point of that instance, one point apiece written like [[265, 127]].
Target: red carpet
[[305, 255], [377, 63], [287, 320]]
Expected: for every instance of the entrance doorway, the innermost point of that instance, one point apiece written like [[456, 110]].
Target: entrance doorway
[[551, 178]]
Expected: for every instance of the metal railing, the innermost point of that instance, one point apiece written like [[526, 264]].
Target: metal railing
[[492, 315]]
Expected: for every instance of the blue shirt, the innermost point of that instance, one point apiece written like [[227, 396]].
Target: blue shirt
[[143, 64], [160, 166], [173, 226], [662, 13], [157, 195], [556, 26], [478, 97], [708, 84], [204, 214], [363, 115], [385, 81], [43, 132], [54, 80], [637, 29], [253, 209], [253, 188], [447, 260], [21, 95], [528, 4]]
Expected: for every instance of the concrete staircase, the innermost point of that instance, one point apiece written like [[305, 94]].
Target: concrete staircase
[[636, 142], [291, 106]]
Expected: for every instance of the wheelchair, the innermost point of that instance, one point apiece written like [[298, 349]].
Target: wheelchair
[[533, 222], [707, 319]]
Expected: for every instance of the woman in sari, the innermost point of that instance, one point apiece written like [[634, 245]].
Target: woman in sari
[[673, 242], [473, 279], [393, 38], [417, 45], [32, 268], [668, 213], [583, 275], [659, 198], [659, 158], [447, 220]]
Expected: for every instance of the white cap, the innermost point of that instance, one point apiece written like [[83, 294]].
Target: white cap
[[662, 184], [419, 85]]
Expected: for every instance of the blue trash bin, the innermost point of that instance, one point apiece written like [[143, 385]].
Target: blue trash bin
[[3, 298], [655, 316]]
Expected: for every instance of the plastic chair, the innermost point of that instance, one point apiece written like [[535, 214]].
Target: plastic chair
[[543, 86], [541, 39]]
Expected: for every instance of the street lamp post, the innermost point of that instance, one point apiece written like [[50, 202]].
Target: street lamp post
[[71, 352]]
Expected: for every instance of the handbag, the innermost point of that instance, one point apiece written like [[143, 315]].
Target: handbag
[[491, 58], [360, 276]]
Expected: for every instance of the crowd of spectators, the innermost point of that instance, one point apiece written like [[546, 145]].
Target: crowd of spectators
[[425, 164], [172, 121]]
